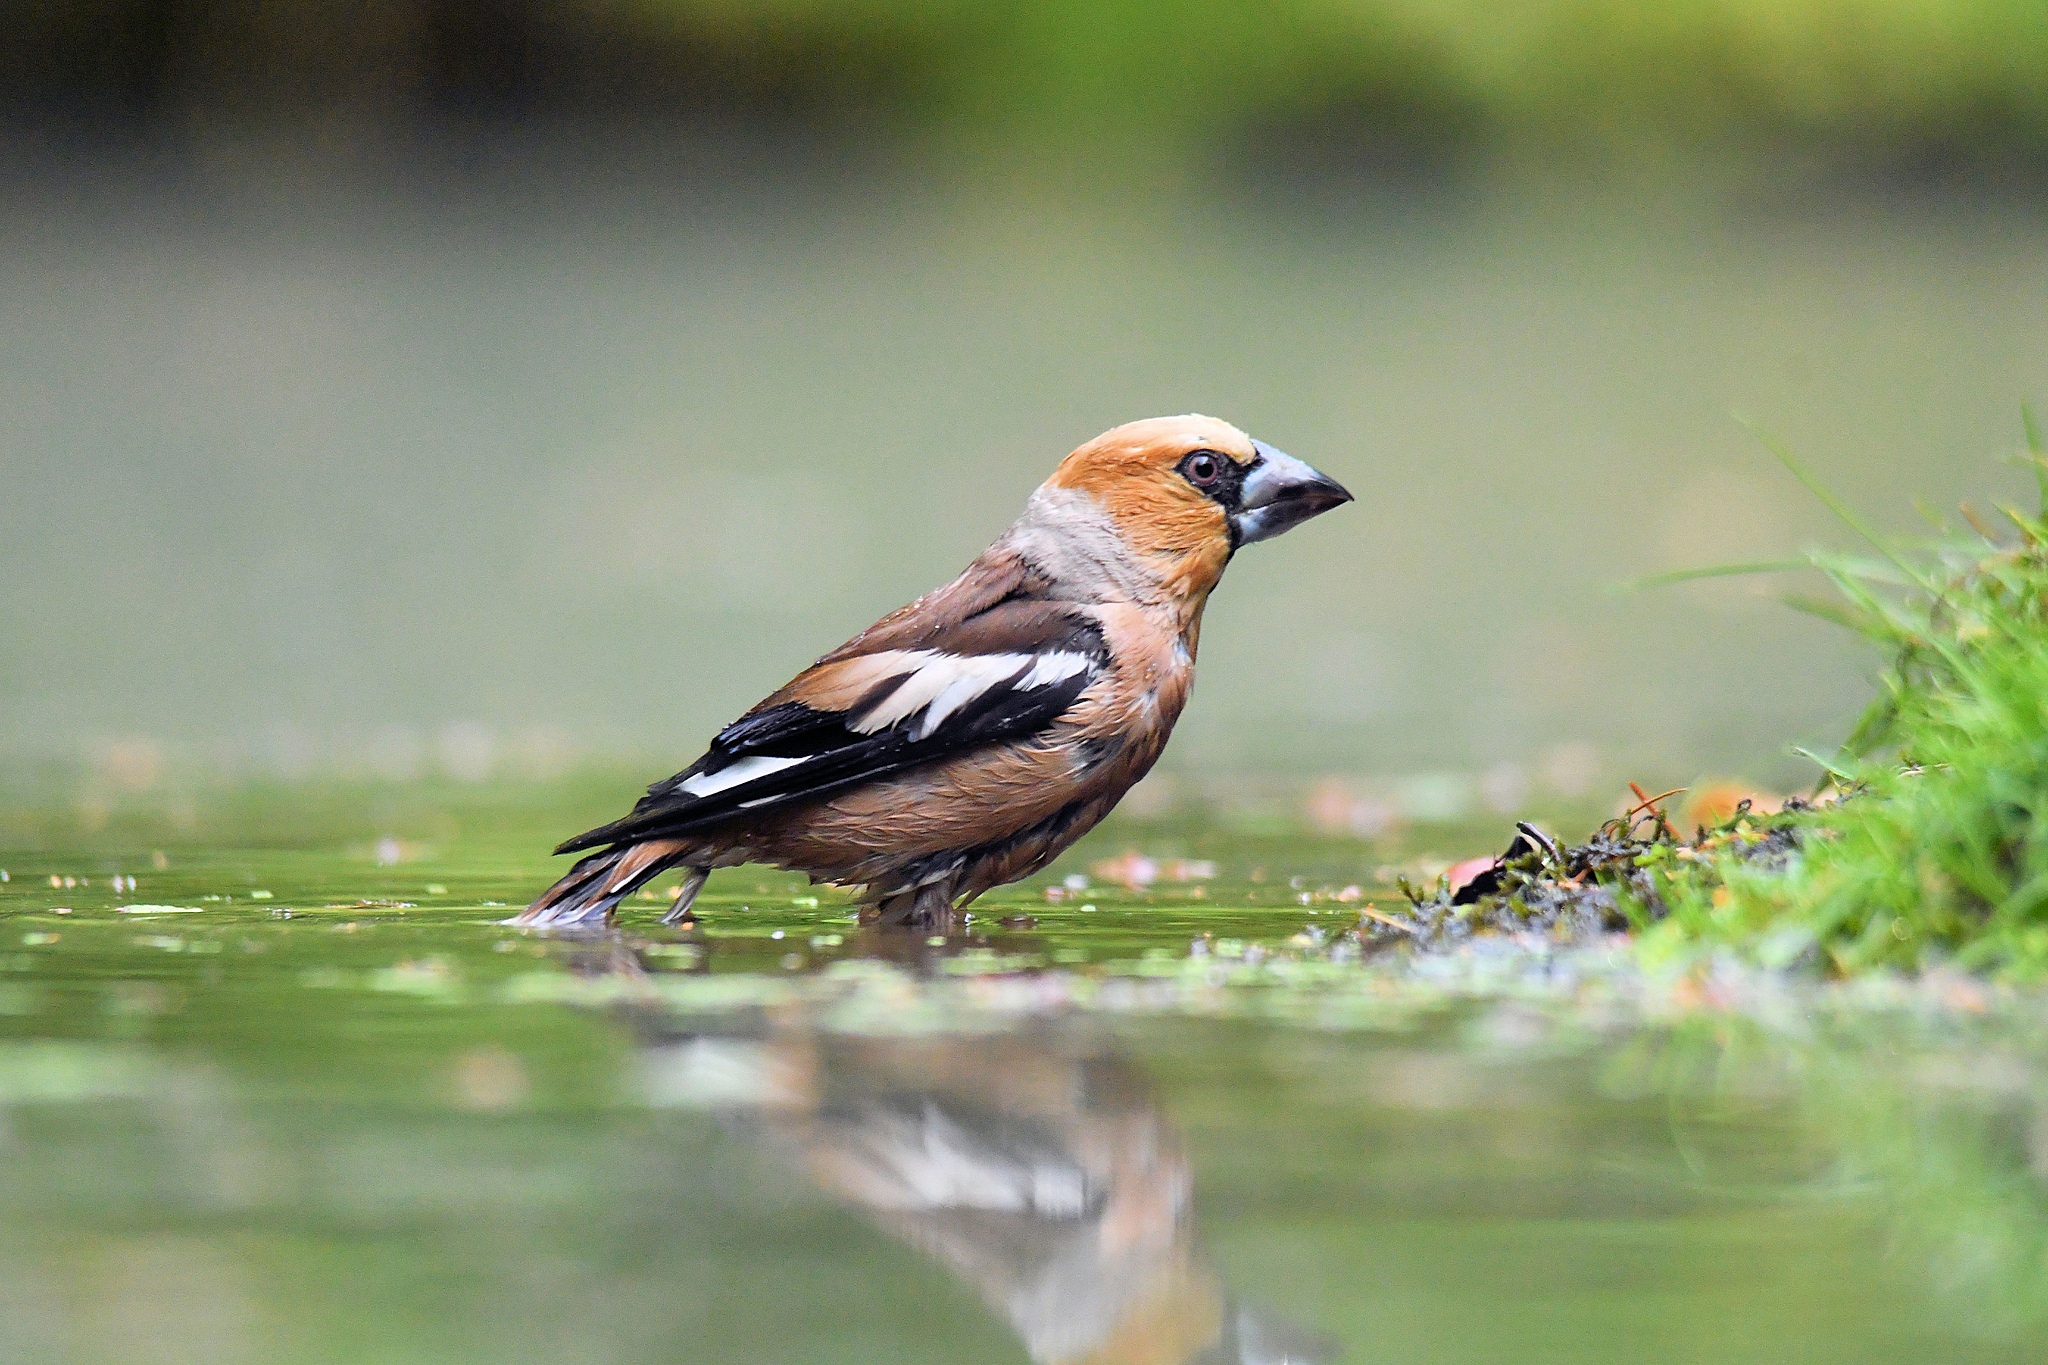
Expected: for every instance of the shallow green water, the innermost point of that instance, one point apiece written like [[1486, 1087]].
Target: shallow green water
[[385, 1128]]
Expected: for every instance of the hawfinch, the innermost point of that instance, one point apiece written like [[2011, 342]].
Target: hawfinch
[[967, 739]]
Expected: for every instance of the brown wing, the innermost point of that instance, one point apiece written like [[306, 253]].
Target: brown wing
[[995, 579], [981, 661]]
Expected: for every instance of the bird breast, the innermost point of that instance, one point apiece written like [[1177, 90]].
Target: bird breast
[[1142, 696]]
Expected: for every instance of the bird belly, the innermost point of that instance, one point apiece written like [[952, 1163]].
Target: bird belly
[[974, 822]]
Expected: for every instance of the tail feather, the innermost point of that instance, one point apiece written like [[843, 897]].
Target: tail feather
[[589, 892]]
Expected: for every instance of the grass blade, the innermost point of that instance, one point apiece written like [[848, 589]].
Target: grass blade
[[1666, 579], [2039, 450], [1842, 614], [1838, 507], [1840, 774]]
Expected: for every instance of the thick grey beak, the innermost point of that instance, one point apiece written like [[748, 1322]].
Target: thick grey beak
[[1281, 492]]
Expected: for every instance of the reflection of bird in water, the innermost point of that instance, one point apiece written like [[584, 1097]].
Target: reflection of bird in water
[[1033, 1166]]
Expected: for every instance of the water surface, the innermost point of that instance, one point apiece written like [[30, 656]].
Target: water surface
[[311, 1106]]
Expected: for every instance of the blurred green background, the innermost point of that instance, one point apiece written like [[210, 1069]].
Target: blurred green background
[[1955, 81], [413, 389]]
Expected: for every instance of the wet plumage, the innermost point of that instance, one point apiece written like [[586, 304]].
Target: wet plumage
[[965, 740]]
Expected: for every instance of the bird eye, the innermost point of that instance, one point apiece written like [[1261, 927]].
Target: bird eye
[[1201, 469]]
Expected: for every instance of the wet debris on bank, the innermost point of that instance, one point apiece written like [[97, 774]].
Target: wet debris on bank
[[1543, 891]]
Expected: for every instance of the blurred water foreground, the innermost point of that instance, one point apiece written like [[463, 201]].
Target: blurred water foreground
[[287, 1104]]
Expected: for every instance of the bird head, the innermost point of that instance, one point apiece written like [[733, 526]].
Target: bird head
[[1184, 493]]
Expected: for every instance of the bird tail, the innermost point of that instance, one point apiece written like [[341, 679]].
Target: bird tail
[[589, 892]]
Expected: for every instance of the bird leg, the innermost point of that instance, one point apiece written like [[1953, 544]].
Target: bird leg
[[686, 896], [933, 908], [926, 907]]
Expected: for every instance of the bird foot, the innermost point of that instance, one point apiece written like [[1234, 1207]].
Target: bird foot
[[928, 909]]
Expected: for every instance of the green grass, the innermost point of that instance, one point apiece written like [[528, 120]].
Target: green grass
[[1940, 853]]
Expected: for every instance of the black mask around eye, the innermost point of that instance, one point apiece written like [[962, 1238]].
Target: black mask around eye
[[1215, 475]]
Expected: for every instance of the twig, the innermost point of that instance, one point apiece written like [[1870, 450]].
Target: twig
[[1649, 803], [1372, 913]]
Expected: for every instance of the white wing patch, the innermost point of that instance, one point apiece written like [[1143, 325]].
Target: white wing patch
[[931, 682], [1054, 668], [736, 773], [940, 684]]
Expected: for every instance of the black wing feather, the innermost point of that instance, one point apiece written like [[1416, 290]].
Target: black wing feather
[[837, 757]]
